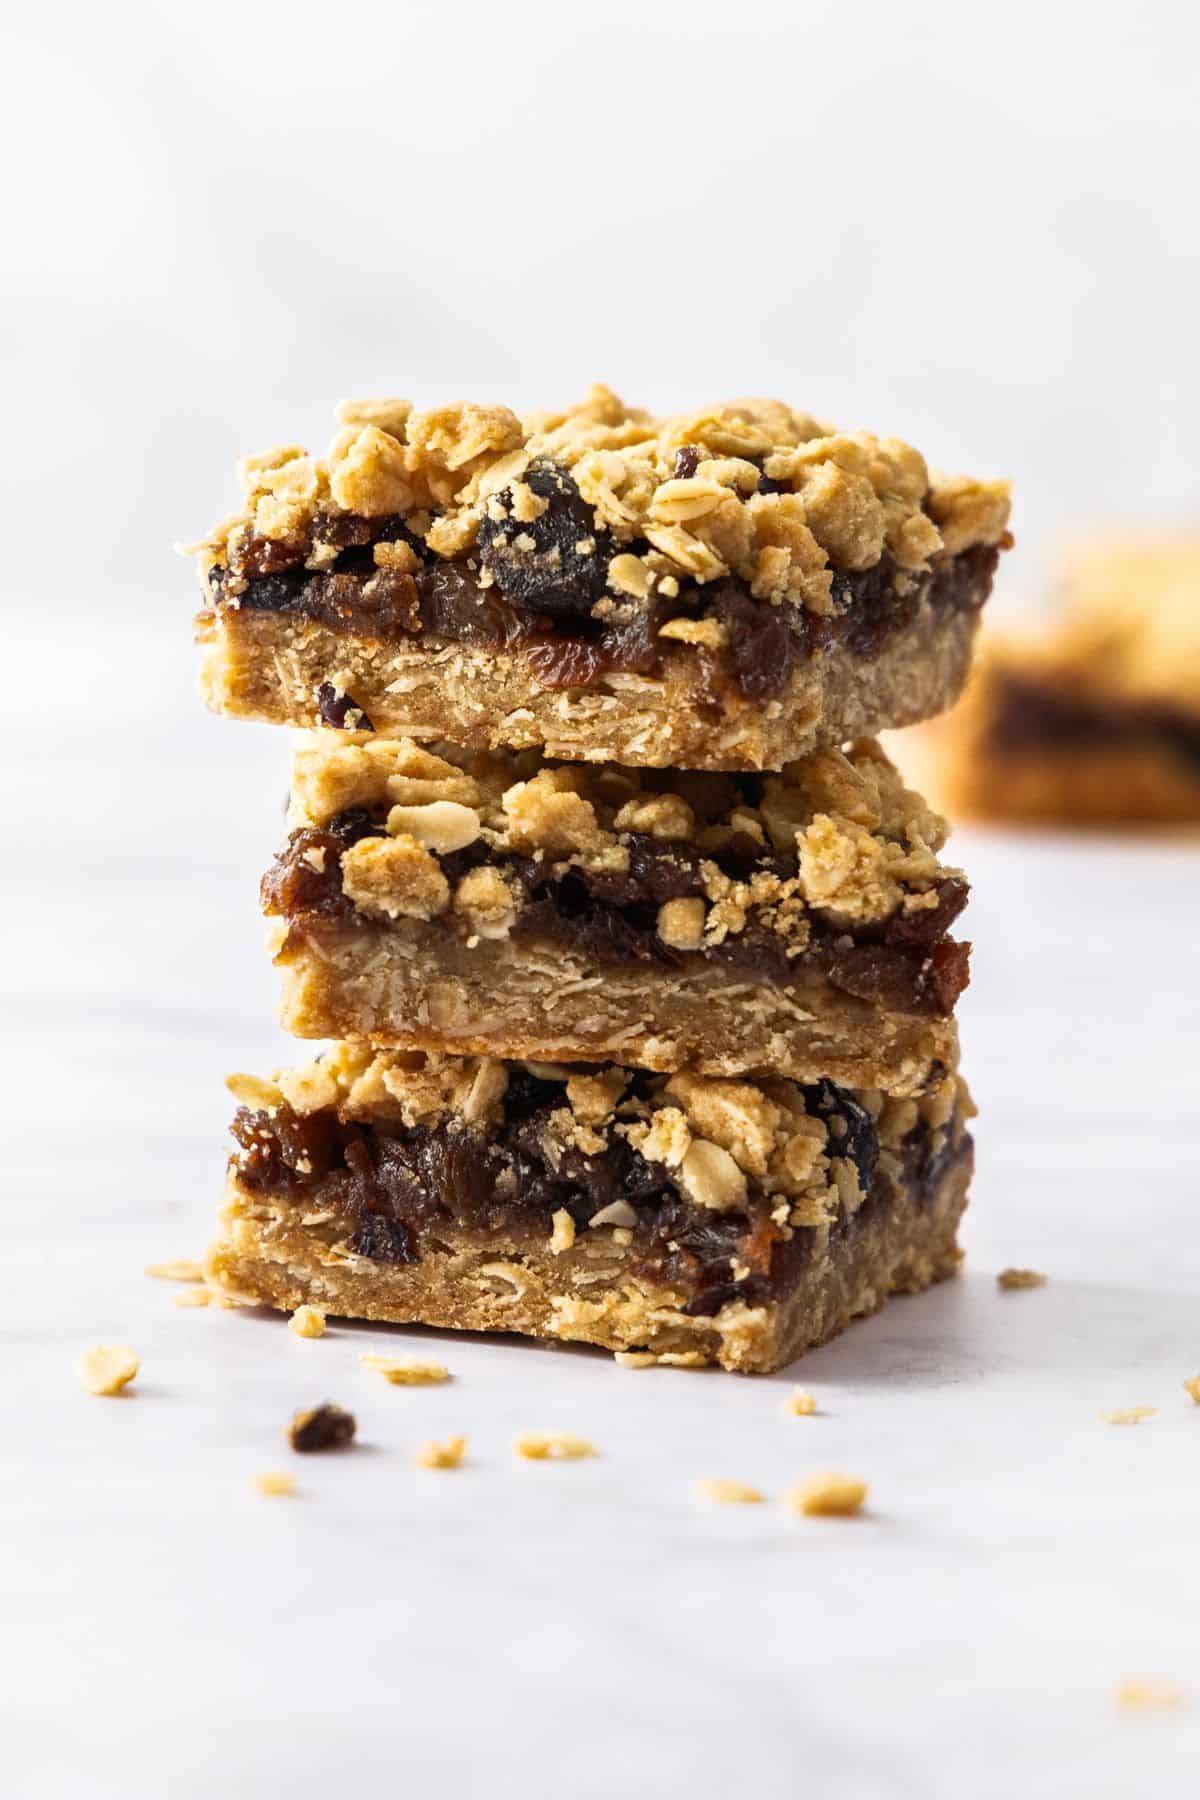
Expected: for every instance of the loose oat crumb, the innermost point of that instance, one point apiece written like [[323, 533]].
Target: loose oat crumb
[[1020, 1278], [403, 1373], [800, 1404], [661, 1359], [275, 1482], [730, 1493], [326, 1427], [1141, 1696], [447, 1455], [192, 1296], [107, 1368], [635, 1359], [182, 1269], [1129, 1415], [1192, 1386], [828, 1495], [307, 1322], [552, 1446], [563, 1235]]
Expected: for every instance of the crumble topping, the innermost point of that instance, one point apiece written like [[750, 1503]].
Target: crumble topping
[[828, 1495], [1020, 1278], [864, 847], [448, 1454], [307, 1322], [799, 1404], [108, 1368], [402, 1372], [730, 1493], [552, 1446], [179, 1269], [751, 489], [723, 1141], [275, 1483]]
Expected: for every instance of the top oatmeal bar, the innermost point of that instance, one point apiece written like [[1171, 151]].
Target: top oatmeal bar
[[726, 589]]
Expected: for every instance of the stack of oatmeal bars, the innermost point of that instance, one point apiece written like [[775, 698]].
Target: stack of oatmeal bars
[[636, 952]]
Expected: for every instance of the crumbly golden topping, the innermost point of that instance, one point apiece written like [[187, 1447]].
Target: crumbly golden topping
[[307, 1322], [835, 1496], [750, 488], [449, 1454], [552, 1446], [729, 1493], [1020, 1278], [722, 1140], [865, 846], [179, 1269], [401, 1371]]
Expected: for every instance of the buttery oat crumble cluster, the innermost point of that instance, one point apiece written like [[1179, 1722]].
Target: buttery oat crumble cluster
[[751, 489], [632, 948]]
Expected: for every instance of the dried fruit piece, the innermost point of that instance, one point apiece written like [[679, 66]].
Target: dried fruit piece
[[555, 563], [325, 1427], [108, 1368], [828, 1495]]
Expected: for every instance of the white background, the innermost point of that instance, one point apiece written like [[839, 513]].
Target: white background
[[976, 228]]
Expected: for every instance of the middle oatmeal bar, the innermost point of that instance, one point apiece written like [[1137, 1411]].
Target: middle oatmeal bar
[[496, 903], [726, 589]]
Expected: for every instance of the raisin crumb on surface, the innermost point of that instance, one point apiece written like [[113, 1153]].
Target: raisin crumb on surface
[[325, 1427]]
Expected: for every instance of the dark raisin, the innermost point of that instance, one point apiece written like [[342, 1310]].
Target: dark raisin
[[326, 1427], [687, 461], [762, 648], [454, 605], [852, 1130], [336, 709], [539, 563], [275, 593], [383, 1240], [930, 923]]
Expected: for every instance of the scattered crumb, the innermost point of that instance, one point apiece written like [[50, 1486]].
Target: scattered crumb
[[307, 1321], [192, 1296], [800, 1404], [182, 1269], [107, 1368], [1150, 1696], [1020, 1278], [552, 1446], [1193, 1388], [448, 1455], [836, 1495], [730, 1493], [326, 1427], [1129, 1415], [664, 1359], [275, 1482], [405, 1374]]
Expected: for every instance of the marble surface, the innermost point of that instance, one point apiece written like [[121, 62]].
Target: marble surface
[[522, 1629]]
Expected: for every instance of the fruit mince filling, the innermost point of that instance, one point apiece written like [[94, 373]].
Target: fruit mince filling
[[534, 587], [396, 1186], [908, 963], [1026, 715]]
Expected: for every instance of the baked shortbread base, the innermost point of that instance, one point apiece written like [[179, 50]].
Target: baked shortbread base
[[272, 666]]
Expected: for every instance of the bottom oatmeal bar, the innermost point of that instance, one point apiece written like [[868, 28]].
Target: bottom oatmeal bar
[[743, 1222]]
